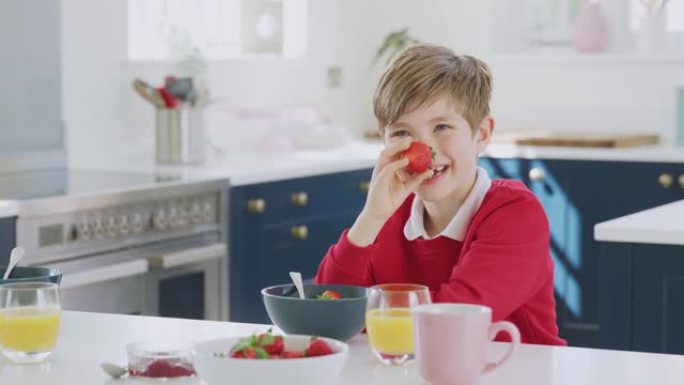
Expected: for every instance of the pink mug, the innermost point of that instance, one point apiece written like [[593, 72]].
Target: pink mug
[[451, 342]]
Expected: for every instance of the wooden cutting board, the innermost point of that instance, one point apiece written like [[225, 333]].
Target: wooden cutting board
[[575, 139]]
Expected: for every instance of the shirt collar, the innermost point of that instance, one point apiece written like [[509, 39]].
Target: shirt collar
[[456, 229]]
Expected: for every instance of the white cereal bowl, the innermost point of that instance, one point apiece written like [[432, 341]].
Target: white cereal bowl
[[320, 370]]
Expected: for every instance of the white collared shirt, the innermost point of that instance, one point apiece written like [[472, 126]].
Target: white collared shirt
[[457, 227]]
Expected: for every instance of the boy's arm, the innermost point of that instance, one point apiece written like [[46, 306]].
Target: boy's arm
[[508, 262], [346, 263], [349, 260]]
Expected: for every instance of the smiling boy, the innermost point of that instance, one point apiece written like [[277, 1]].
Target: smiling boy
[[468, 238]]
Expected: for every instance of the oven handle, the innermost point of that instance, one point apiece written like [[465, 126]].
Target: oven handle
[[189, 256], [104, 273]]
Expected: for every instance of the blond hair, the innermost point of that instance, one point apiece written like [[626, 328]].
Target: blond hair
[[423, 72]]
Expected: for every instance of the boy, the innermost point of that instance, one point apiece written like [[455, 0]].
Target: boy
[[468, 238]]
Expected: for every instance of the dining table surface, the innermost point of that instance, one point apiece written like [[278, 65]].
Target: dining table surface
[[87, 340]]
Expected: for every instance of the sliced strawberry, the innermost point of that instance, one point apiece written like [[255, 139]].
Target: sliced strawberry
[[420, 157], [246, 352], [318, 347], [329, 294], [273, 345], [292, 354]]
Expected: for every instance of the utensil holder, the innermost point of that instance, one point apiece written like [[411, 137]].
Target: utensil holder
[[179, 136]]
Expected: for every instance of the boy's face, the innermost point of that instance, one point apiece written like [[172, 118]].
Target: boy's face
[[441, 126]]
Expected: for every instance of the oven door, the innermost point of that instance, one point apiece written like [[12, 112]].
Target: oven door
[[99, 286], [188, 283]]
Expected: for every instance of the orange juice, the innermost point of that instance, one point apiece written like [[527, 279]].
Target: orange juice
[[390, 331], [29, 329]]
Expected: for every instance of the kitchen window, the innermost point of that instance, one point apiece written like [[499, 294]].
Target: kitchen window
[[216, 29]]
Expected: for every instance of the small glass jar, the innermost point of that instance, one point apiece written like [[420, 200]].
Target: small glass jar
[[157, 359]]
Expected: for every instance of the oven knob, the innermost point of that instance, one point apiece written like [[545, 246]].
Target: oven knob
[[159, 220], [123, 226], [207, 211], [173, 217], [98, 229], [196, 212], [84, 232], [111, 227], [182, 218], [137, 225]]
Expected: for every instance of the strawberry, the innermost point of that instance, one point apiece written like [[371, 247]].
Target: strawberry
[[246, 352], [292, 354], [318, 347], [247, 348], [329, 295], [273, 345], [420, 157]]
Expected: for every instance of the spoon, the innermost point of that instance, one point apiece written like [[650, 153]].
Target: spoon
[[114, 371], [15, 256], [297, 280]]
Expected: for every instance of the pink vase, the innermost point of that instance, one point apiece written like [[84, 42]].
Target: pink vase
[[591, 31]]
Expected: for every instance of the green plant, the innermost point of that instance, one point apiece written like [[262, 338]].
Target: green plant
[[393, 43]]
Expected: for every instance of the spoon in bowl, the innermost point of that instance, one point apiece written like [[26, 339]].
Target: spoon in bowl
[[297, 280], [15, 257]]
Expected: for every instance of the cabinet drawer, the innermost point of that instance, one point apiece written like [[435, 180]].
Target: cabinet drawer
[[303, 197], [266, 255]]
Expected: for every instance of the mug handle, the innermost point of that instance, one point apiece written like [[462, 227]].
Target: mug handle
[[512, 331]]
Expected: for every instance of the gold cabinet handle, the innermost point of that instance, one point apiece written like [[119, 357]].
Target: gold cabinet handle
[[681, 181], [256, 205], [665, 180], [536, 174], [364, 187], [299, 232], [299, 198]]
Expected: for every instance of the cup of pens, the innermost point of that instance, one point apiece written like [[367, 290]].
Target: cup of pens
[[179, 128]]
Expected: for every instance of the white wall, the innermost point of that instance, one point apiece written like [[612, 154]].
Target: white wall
[[30, 102], [611, 95], [107, 122]]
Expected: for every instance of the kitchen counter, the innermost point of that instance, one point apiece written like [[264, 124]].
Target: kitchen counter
[[659, 225], [255, 167], [88, 339], [8, 209]]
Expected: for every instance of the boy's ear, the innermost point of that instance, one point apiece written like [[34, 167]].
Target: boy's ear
[[484, 133]]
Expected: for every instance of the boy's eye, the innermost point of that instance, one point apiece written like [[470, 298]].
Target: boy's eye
[[399, 133], [441, 127]]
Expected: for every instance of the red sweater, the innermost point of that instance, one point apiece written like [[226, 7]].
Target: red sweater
[[503, 262]]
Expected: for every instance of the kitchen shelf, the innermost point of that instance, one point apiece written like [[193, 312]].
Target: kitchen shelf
[[598, 59]]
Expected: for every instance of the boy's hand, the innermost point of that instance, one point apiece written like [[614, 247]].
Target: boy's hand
[[389, 188]]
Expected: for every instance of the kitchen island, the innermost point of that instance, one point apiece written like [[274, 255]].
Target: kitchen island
[[88, 339], [659, 225], [642, 265]]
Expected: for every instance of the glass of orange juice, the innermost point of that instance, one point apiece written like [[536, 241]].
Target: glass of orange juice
[[388, 320], [29, 320]]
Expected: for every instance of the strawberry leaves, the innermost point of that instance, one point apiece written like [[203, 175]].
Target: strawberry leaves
[[268, 346]]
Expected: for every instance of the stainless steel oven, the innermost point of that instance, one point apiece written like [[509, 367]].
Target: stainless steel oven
[[158, 250]]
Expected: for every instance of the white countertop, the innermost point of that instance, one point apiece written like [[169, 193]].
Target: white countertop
[[8, 209], [255, 167], [655, 153], [88, 339], [659, 225]]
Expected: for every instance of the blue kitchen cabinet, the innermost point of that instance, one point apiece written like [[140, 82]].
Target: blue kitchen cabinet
[[658, 298], [643, 303], [284, 226], [7, 238], [577, 194]]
